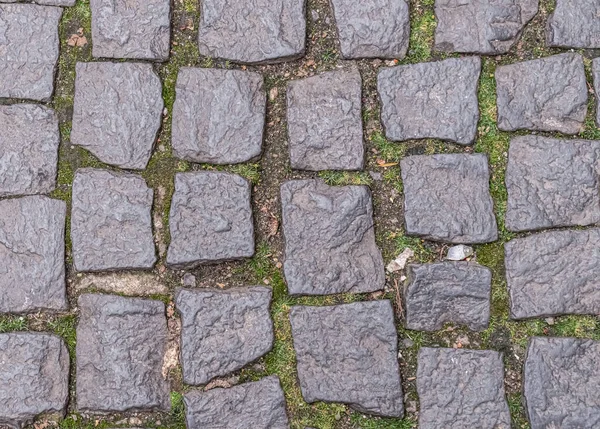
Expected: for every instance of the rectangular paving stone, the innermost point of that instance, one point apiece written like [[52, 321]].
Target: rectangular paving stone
[[28, 149], [561, 380], [45, 2], [348, 353], [447, 198], [34, 377], [431, 100], [554, 273], [596, 77], [547, 94], [218, 115], [111, 221], [461, 389], [32, 255], [210, 219], [121, 343], [329, 239], [324, 122], [552, 183], [574, 24], [28, 50]]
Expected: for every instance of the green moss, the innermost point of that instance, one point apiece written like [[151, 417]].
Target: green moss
[[65, 327], [13, 324], [422, 29], [341, 178]]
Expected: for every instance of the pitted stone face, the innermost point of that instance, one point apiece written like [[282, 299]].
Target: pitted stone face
[[574, 24]]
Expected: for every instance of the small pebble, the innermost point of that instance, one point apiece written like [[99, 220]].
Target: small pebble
[[459, 253], [375, 176], [189, 280]]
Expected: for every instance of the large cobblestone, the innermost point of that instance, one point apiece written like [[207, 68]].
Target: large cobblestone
[[574, 24], [45, 2], [596, 77]]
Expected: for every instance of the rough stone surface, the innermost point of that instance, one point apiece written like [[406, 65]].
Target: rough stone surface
[[210, 219], [252, 31], [459, 252], [552, 183], [481, 26], [461, 389], [223, 330], [324, 122], [547, 94], [596, 76], [457, 292], [372, 28], [34, 377], [28, 149], [348, 353], [45, 2], [257, 405], [28, 50], [32, 255], [554, 273], [574, 24], [329, 239], [431, 100], [218, 115], [447, 198], [561, 380], [111, 225], [117, 112], [121, 344], [139, 29]]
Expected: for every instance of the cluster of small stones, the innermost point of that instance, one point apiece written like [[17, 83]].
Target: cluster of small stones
[[345, 353]]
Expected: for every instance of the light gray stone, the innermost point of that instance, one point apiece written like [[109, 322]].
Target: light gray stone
[[574, 24], [596, 77], [459, 252], [45, 2]]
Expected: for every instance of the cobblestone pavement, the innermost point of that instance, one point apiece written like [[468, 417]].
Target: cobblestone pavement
[[199, 202]]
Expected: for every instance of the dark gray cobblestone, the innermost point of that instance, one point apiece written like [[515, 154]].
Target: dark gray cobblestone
[[45, 2], [574, 24]]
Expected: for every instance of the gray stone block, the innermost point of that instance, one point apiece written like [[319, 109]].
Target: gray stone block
[[45, 2], [596, 77], [574, 24]]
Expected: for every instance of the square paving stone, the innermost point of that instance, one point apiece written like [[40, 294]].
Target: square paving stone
[[574, 24], [447, 198], [552, 183], [218, 115], [481, 26], [111, 223], [457, 292], [32, 255], [34, 377], [325, 122], [121, 343], [547, 94], [561, 380], [139, 29], [554, 273], [461, 389], [117, 112], [252, 31], [372, 28], [431, 100], [223, 330], [348, 353], [28, 50], [256, 405], [28, 149], [210, 219], [329, 239]]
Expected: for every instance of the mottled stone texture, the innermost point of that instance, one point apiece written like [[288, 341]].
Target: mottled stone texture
[[461, 389], [457, 292], [552, 183], [218, 115], [32, 255], [481, 26], [223, 330], [34, 377], [596, 76], [547, 94], [28, 149], [121, 344], [329, 239], [561, 380], [431, 100], [45, 2], [210, 219], [117, 112], [137, 29], [574, 24], [324, 122], [28, 50], [554, 273], [111, 223], [348, 353], [257, 405], [447, 198], [252, 31], [372, 28]]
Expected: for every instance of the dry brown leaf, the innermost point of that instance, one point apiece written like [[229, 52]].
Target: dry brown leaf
[[388, 164], [77, 40]]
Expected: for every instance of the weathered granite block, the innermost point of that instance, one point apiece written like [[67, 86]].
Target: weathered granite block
[[574, 24]]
